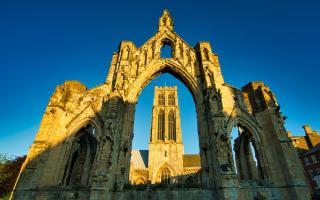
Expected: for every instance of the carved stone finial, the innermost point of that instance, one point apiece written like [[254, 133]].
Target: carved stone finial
[[165, 21]]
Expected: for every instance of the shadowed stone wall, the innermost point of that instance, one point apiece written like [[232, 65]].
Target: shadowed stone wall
[[109, 108]]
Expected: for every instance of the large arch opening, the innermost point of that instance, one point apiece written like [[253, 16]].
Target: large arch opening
[[79, 166], [177, 136]]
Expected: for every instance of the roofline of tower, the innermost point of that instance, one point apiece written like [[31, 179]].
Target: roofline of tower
[[166, 88]]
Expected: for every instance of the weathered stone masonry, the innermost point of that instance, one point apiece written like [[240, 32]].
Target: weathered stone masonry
[[82, 149]]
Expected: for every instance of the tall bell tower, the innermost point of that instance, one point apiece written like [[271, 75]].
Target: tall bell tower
[[165, 148]]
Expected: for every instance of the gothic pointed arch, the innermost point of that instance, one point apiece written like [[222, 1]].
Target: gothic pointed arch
[[80, 162], [166, 66], [165, 174], [261, 125], [250, 158]]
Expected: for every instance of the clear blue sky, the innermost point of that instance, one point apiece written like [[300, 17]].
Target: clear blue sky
[[43, 43]]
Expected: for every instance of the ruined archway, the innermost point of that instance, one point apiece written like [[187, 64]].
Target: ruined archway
[[111, 105], [250, 158], [188, 81]]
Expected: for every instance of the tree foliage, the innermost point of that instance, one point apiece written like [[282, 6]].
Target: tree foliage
[[9, 171]]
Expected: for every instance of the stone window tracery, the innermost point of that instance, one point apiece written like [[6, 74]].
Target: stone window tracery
[[161, 99], [171, 99], [172, 126]]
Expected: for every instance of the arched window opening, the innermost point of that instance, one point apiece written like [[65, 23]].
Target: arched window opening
[[161, 125], [166, 50], [172, 126], [165, 176], [171, 99], [83, 150], [161, 100], [248, 165]]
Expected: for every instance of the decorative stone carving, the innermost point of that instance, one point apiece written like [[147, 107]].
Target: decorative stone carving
[[215, 103], [130, 70], [59, 96], [181, 50]]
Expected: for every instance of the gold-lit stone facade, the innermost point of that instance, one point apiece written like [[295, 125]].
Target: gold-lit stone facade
[[83, 147], [307, 142], [165, 161]]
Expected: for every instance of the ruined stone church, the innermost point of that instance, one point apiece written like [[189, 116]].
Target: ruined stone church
[[165, 161], [82, 149]]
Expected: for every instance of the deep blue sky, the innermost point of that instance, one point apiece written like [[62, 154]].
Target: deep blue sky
[[43, 43]]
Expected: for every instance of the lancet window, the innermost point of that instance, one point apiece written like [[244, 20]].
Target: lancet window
[[172, 126], [161, 125]]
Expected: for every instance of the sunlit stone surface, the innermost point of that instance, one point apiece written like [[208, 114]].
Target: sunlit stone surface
[[83, 147]]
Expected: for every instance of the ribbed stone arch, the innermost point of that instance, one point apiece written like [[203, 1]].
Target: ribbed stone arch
[[71, 131], [76, 125], [113, 104], [165, 66], [87, 144], [191, 82], [256, 133], [164, 166]]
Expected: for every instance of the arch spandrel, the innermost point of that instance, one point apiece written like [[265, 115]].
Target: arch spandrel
[[148, 55]]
